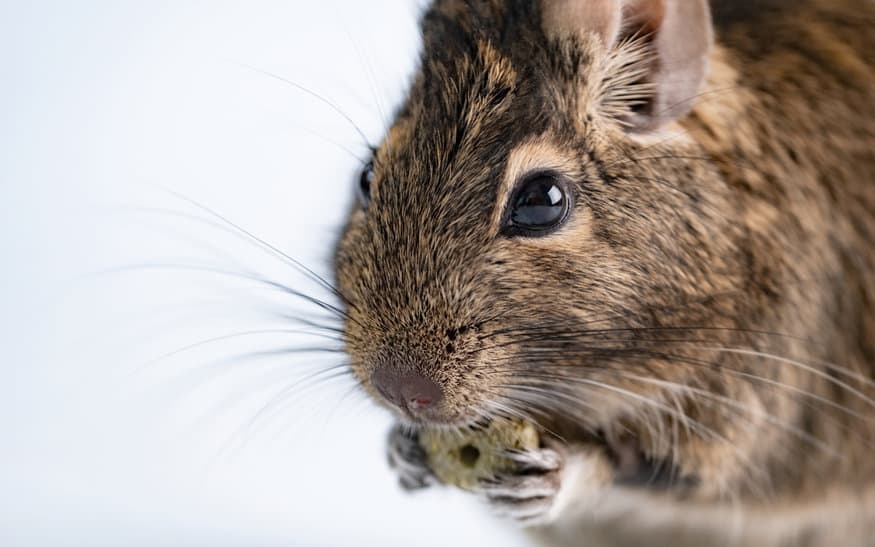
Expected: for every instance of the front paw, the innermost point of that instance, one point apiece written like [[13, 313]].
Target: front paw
[[408, 459], [527, 494]]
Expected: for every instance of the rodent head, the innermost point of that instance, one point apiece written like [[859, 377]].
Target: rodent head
[[532, 194]]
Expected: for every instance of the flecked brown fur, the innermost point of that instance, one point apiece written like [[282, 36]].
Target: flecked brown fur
[[721, 270]]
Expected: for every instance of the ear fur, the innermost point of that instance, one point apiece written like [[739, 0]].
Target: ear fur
[[667, 43]]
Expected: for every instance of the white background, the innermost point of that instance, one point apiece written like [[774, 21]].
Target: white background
[[104, 107]]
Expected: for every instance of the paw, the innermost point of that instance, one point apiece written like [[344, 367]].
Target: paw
[[528, 494], [408, 459]]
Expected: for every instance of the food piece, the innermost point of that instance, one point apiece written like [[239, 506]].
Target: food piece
[[464, 457]]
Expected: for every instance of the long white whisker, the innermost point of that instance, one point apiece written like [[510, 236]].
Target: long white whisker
[[738, 406], [798, 364]]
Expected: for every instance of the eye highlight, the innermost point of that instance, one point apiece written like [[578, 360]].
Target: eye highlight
[[539, 206], [366, 177]]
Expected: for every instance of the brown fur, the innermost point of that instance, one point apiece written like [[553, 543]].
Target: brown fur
[[746, 226]]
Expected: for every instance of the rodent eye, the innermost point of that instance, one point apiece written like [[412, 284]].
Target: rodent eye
[[538, 207], [364, 184]]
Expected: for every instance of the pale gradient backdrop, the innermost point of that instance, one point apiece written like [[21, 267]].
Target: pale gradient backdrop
[[105, 108]]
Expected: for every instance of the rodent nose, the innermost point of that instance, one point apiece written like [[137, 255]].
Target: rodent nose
[[408, 390]]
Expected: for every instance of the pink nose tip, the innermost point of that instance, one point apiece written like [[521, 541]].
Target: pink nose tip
[[407, 390]]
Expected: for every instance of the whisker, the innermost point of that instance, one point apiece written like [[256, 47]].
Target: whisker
[[728, 401], [339, 146], [310, 323], [298, 265], [637, 397], [224, 337], [556, 382], [523, 413], [355, 387], [218, 271], [798, 364], [369, 73], [603, 353], [280, 399], [315, 95]]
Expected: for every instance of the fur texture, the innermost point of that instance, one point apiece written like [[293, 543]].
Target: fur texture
[[699, 338]]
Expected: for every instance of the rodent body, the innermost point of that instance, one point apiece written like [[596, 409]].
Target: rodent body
[[696, 336]]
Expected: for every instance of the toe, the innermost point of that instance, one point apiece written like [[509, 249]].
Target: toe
[[521, 486]]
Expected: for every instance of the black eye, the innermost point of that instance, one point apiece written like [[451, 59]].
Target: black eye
[[538, 207], [364, 185]]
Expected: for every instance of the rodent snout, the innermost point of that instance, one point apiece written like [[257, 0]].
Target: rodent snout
[[410, 391]]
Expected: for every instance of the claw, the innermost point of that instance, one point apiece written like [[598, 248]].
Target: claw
[[408, 459], [521, 486], [536, 460], [526, 495]]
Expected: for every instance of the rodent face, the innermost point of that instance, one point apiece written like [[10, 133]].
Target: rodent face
[[437, 288]]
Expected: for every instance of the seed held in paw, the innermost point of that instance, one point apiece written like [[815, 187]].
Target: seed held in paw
[[465, 457]]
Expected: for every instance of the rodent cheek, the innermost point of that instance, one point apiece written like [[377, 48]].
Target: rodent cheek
[[350, 265]]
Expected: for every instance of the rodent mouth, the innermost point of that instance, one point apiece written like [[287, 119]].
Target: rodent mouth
[[438, 420]]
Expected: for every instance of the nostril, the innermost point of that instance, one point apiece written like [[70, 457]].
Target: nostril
[[420, 392], [419, 402], [407, 390]]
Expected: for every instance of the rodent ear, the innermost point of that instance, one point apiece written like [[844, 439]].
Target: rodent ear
[[658, 48], [561, 18]]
